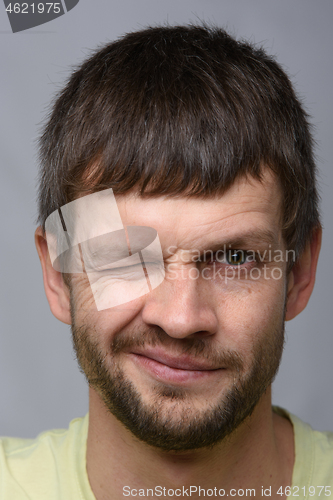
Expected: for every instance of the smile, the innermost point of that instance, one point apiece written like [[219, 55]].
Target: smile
[[180, 369]]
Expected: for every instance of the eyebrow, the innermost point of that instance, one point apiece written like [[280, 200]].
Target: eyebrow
[[249, 238]]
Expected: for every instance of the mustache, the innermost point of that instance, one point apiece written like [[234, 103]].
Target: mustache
[[204, 349]]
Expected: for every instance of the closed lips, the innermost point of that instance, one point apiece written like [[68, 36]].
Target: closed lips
[[178, 362]]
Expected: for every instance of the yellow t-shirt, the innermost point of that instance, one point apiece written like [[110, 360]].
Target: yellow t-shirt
[[313, 467], [50, 467], [53, 466]]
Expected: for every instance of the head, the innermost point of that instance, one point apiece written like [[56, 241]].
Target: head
[[202, 138]]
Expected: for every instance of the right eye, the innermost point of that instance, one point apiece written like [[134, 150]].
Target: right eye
[[121, 271]]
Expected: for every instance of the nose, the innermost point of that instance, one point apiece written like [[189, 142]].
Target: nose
[[181, 307]]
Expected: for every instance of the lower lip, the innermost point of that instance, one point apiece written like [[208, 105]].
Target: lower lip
[[166, 373]]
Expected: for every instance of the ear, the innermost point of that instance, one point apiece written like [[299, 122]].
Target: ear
[[302, 276], [57, 292]]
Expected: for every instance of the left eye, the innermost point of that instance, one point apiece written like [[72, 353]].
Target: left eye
[[236, 257]]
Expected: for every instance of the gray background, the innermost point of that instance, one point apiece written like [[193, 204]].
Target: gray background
[[40, 385]]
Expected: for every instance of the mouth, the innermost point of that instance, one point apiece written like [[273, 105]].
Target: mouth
[[171, 368]]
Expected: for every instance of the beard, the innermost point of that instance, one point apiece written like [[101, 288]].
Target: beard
[[170, 421]]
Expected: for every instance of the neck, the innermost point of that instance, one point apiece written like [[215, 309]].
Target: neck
[[259, 454]]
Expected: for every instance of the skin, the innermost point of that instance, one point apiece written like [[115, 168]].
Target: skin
[[232, 315]]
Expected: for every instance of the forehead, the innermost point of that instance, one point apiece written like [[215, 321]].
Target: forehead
[[248, 205]]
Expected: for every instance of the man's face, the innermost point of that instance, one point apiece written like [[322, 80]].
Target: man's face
[[183, 366]]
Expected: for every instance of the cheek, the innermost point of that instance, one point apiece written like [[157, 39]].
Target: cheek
[[249, 312], [81, 296], [102, 324]]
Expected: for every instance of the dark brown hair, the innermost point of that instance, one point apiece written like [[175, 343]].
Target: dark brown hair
[[180, 110]]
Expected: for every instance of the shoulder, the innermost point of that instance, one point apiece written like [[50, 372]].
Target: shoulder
[[40, 468], [313, 464]]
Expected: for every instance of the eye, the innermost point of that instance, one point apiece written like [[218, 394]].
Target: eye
[[123, 271], [236, 257]]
